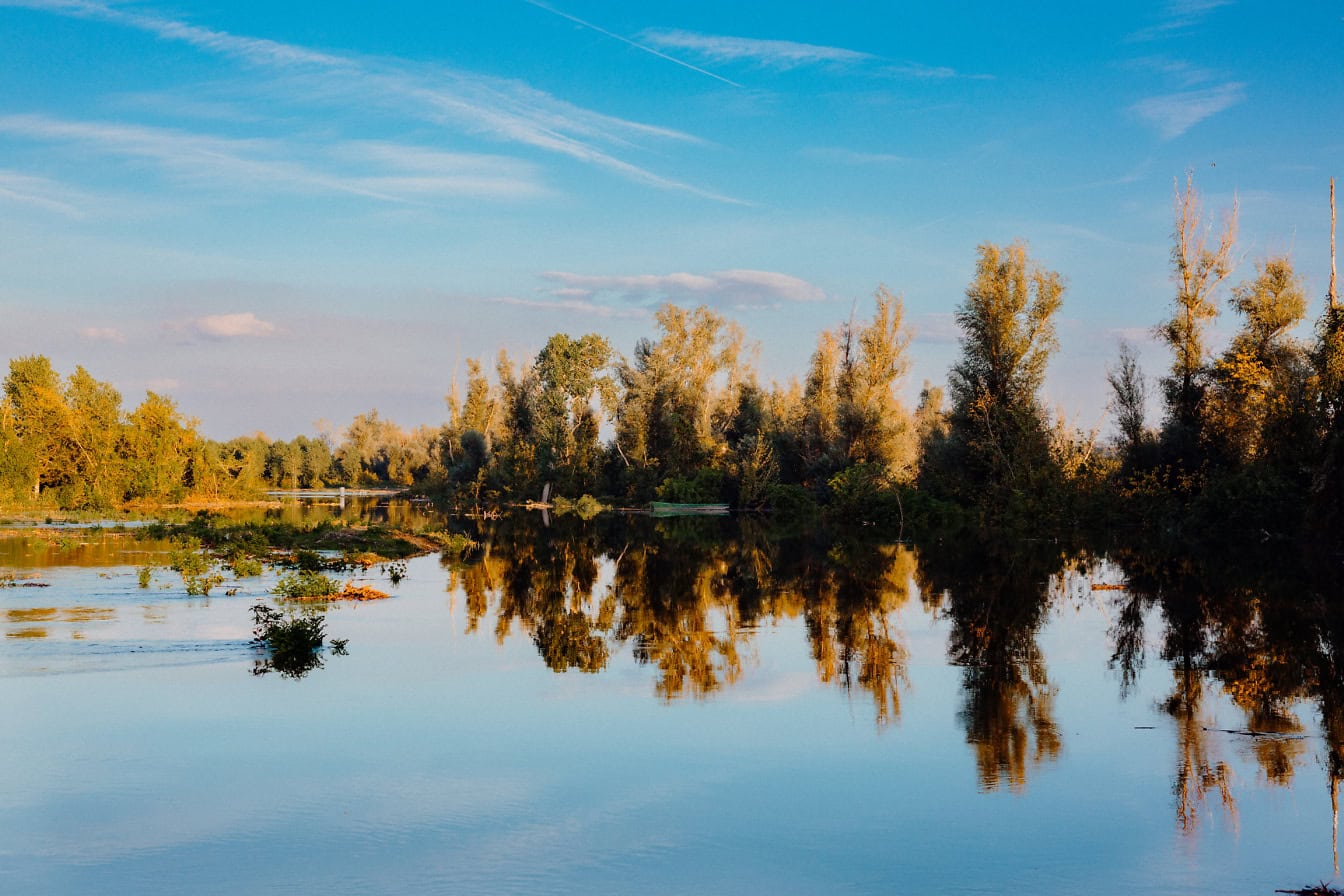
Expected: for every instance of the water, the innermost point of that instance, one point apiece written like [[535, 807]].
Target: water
[[688, 706]]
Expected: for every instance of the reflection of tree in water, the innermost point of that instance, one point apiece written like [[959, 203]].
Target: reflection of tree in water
[[670, 595], [1247, 624], [996, 596], [686, 595], [851, 593], [546, 580]]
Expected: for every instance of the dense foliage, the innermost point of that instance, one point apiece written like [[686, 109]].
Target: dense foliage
[[1251, 437]]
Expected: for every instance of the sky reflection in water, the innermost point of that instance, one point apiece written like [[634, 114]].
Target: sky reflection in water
[[773, 714]]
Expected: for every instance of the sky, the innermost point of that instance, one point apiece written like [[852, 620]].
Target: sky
[[282, 215]]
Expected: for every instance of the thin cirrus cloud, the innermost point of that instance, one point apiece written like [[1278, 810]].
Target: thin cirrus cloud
[[633, 43], [41, 193], [498, 108], [387, 172], [1178, 17], [1175, 113], [733, 289], [842, 156], [785, 55], [773, 54]]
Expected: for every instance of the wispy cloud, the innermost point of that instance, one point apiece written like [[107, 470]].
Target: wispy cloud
[[232, 326], [625, 40], [784, 55], [571, 306], [1177, 71], [42, 193], [922, 72], [497, 108], [841, 156], [736, 288], [1178, 17], [1175, 113], [386, 171], [773, 54]]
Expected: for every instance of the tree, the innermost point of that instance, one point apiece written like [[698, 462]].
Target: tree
[[157, 447], [41, 420], [1257, 401], [569, 372], [1197, 268], [1129, 401], [678, 397], [875, 424], [854, 414], [997, 452], [95, 415]]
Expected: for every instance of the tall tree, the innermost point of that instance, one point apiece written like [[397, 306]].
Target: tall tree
[[570, 374], [1198, 267], [678, 396], [1259, 387], [157, 447], [997, 452]]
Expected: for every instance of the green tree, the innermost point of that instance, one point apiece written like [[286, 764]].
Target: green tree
[[95, 429], [1129, 401], [678, 398], [1198, 267], [569, 372], [40, 419], [157, 446], [997, 453], [1258, 399]]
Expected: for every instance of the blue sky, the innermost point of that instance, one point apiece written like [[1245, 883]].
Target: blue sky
[[277, 213]]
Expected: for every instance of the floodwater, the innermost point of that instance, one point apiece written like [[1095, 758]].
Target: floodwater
[[678, 706]]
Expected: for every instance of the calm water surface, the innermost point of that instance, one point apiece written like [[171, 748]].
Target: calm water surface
[[691, 706]]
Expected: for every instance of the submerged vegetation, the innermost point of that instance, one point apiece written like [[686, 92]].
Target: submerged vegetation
[[292, 642], [1250, 444]]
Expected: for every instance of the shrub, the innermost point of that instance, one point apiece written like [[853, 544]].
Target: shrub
[[305, 584], [291, 642]]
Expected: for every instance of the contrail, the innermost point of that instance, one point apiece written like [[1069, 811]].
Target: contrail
[[625, 40]]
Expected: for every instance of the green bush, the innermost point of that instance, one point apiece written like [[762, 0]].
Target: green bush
[[291, 642], [305, 583], [705, 487], [245, 567]]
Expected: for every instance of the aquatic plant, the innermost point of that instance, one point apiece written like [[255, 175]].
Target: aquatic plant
[[292, 642], [245, 567], [305, 584]]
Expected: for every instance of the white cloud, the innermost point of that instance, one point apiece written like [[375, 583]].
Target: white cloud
[[232, 326], [842, 156], [103, 334], [386, 172], [162, 384], [1183, 73], [1175, 113], [500, 108], [572, 302], [42, 193], [923, 72], [1179, 16], [625, 40], [736, 288], [775, 54]]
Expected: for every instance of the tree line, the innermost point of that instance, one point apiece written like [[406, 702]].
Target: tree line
[[685, 417]]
